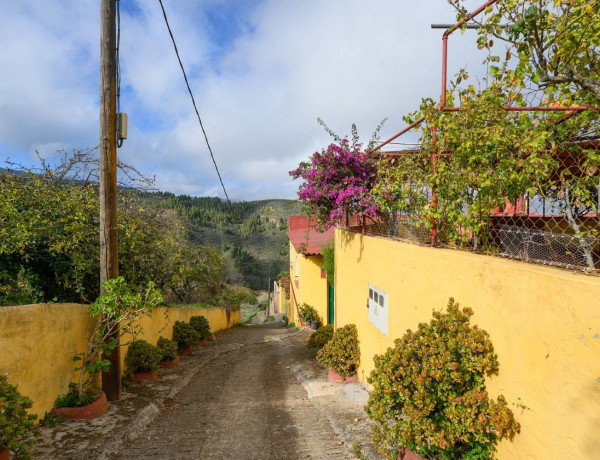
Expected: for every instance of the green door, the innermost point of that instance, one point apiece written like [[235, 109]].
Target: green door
[[331, 310]]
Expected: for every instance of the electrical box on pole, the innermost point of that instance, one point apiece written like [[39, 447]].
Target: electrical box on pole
[[121, 127]]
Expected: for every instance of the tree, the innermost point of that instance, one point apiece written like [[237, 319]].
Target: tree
[[556, 43]]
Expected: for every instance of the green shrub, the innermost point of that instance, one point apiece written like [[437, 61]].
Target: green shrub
[[74, 399], [429, 392], [342, 353], [143, 357], [168, 348], [308, 313], [233, 297], [16, 425], [284, 320], [320, 338], [184, 334], [201, 326]]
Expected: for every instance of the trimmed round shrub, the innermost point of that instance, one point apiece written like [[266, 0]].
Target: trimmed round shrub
[[168, 348], [201, 326], [17, 428], [143, 356], [428, 392], [320, 338], [342, 353], [184, 334]]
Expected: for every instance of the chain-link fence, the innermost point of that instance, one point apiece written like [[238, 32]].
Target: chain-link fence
[[547, 215]]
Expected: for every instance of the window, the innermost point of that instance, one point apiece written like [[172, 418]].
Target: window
[[378, 304], [297, 269]]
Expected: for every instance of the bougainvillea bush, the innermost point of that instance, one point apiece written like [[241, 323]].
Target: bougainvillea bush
[[339, 180], [429, 392], [342, 353]]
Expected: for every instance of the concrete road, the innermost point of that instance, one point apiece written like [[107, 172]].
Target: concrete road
[[244, 405]]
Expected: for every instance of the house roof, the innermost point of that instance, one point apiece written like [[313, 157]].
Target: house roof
[[305, 238]]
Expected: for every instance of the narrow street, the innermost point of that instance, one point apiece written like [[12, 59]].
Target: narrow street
[[245, 405]]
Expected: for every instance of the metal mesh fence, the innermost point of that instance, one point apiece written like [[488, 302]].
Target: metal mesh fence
[[551, 220]]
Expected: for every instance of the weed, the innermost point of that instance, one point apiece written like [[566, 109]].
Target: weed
[[50, 420]]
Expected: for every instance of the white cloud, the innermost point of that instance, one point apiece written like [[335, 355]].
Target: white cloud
[[259, 94]]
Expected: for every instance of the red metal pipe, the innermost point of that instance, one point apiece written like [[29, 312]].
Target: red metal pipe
[[408, 128], [444, 68], [573, 108], [442, 104], [434, 200], [445, 45]]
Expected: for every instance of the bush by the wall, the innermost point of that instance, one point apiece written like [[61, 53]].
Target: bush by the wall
[[16, 425], [308, 313], [168, 348], [429, 392], [342, 353], [320, 338], [201, 326], [143, 356], [184, 334]]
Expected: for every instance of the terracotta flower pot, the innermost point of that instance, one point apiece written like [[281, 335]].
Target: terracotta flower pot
[[139, 376], [172, 363], [333, 376], [96, 409], [185, 352], [212, 337], [4, 454], [409, 455], [200, 342]]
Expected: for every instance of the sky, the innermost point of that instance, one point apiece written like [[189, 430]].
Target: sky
[[261, 71]]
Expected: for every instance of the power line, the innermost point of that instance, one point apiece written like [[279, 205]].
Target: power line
[[201, 125], [194, 103]]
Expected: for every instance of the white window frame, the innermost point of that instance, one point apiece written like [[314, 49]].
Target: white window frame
[[378, 303], [297, 269]]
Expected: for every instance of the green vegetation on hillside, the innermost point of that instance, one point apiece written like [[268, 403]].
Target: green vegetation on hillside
[[190, 247], [252, 238]]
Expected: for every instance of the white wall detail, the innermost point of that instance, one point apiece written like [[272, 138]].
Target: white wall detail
[[378, 302]]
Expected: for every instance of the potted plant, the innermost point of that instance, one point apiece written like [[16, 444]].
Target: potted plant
[[184, 334], [315, 321], [320, 338], [202, 328], [118, 310], [429, 394], [142, 360], [308, 314], [341, 354], [169, 352], [17, 430]]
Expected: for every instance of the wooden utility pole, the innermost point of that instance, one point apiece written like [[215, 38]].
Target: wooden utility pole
[[109, 268]]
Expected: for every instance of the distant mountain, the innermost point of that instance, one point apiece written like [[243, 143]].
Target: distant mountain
[[251, 234]]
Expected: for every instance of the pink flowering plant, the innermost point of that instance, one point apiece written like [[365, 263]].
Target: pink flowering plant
[[339, 180]]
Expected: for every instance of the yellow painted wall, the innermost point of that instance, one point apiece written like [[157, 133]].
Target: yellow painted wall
[[162, 325], [37, 343], [309, 287], [283, 302], [544, 323]]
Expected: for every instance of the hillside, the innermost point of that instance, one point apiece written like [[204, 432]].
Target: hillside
[[253, 239]]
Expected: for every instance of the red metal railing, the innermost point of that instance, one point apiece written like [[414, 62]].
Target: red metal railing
[[442, 105]]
